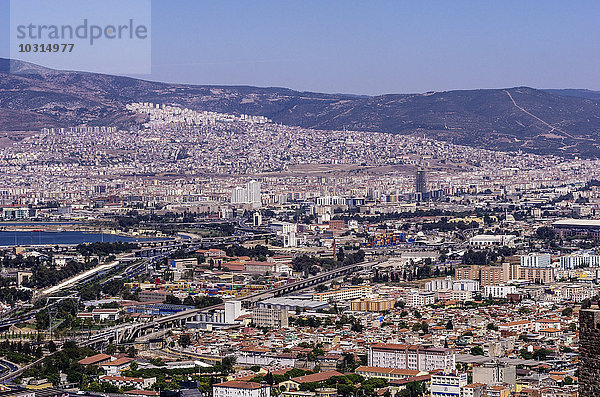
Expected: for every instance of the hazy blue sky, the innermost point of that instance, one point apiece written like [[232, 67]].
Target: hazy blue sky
[[373, 47]]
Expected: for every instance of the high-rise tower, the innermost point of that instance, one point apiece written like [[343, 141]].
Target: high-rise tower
[[421, 184], [253, 192]]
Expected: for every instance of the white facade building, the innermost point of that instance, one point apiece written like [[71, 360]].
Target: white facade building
[[416, 298], [498, 291], [447, 384], [253, 192], [256, 219], [237, 388], [233, 309], [412, 357], [536, 260], [489, 240], [248, 195], [449, 284], [126, 381], [239, 196], [331, 200], [575, 261]]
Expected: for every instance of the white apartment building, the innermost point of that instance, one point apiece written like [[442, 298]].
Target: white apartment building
[[16, 213], [413, 357], [536, 260], [492, 373], [449, 284], [237, 388], [416, 298], [233, 309], [498, 291], [461, 296], [248, 195], [447, 384], [283, 227], [239, 196], [253, 192], [330, 200], [575, 261]]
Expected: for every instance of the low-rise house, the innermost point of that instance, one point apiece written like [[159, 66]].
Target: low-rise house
[[238, 388], [294, 383], [117, 366]]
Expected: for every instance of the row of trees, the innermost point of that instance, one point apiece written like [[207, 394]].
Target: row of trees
[[10, 295], [19, 352], [46, 275], [197, 301], [311, 265]]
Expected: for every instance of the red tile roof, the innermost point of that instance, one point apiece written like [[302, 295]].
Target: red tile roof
[[95, 359], [238, 384]]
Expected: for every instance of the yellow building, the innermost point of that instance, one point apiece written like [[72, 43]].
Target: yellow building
[[372, 304], [342, 294]]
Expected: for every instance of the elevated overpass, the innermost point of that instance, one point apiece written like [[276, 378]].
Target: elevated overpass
[[136, 330]]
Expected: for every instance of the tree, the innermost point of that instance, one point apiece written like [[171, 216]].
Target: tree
[[185, 340], [567, 312], [524, 310], [477, 351], [269, 378], [586, 303], [541, 354], [475, 257], [413, 389], [340, 254], [545, 233], [111, 349], [172, 300], [399, 304], [449, 325], [227, 363], [348, 363], [131, 351], [51, 346], [568, 380]]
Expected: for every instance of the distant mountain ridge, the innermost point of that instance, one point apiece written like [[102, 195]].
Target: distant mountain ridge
[[577, 93], [520, 118]]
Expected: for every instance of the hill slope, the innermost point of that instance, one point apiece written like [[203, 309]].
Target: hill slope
[[507, 119]]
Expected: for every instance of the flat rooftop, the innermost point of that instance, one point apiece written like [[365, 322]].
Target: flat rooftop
[[578, 222]]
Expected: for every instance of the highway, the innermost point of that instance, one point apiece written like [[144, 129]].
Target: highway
[[157, 254], [80, 277], [298, 285], [14, 372], [139, 329]]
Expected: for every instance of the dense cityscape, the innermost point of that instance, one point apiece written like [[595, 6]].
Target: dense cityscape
[[299, 198], [226, 255]]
